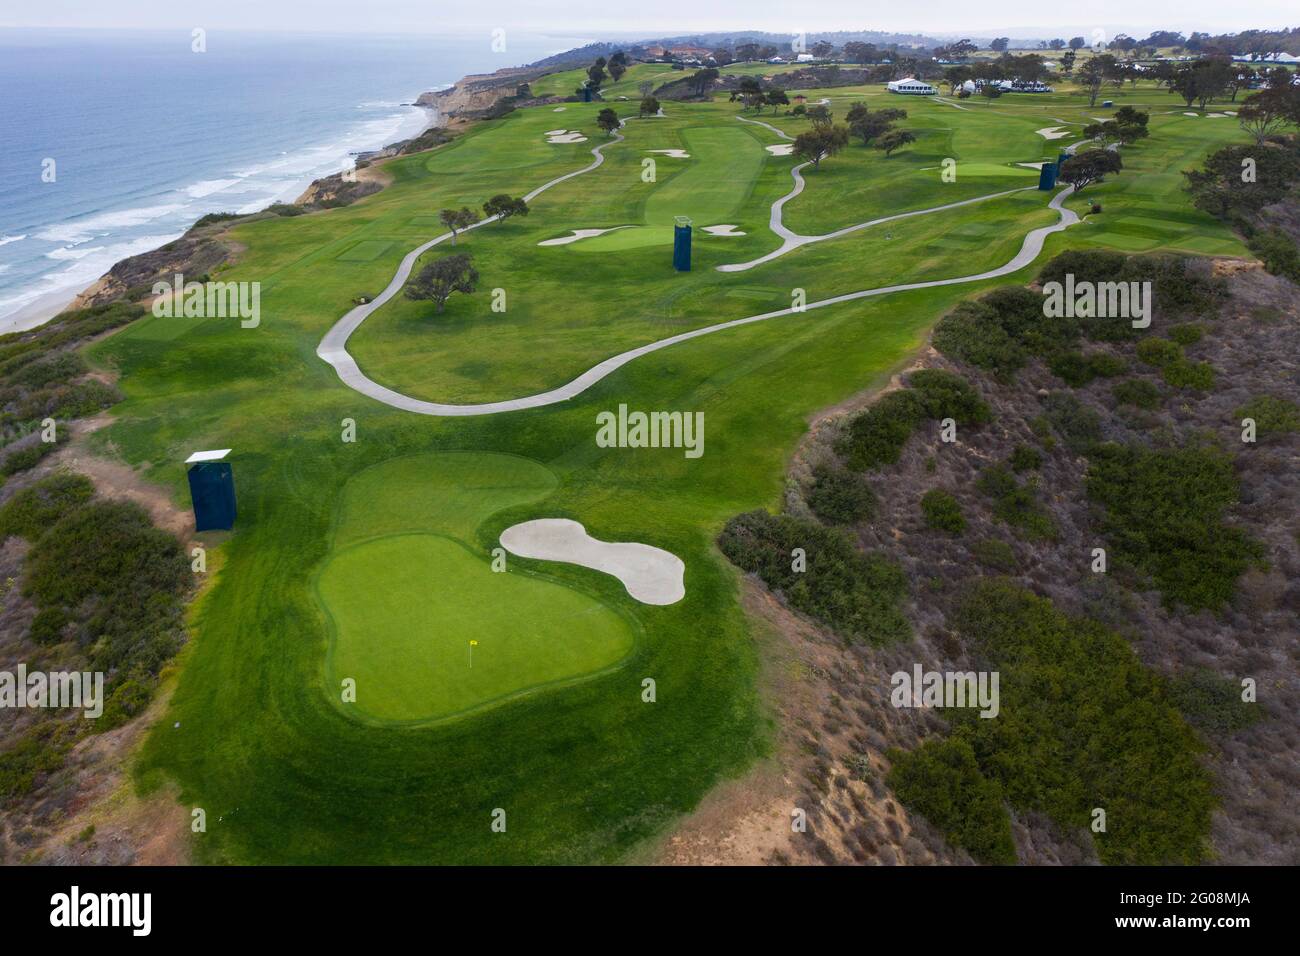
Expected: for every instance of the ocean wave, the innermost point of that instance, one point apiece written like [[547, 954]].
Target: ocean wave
[[207, 187], [5, 240], [82, 272], [82, 230], [175, 207], [68, 252]]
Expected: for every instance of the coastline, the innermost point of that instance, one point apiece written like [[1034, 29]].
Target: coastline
[[45, 307]]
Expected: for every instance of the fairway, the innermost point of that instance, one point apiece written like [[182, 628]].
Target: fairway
[[371, 559], [404, 608], [715, 183]]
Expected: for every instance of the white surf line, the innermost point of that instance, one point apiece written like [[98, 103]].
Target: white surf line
[[333, 347], [1029, 250]]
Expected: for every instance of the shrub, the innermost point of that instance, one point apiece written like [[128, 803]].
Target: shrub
[[1077, 369], [1137, 392], [22, 459], [876, 436], [1164, 517], [1159, 352], [1182, 373], [1083, 723], [48, 625], [1278, 253], [941, 780], [840, 496], [999, 331], [994, 554], [1015, 504], [1078, 425], [945, 395], [1211, 701], [1273, 416], [105, 560], [942, 512], [32, 511], [1024, 458], [1187, 334], [55, 367], [856, 595]]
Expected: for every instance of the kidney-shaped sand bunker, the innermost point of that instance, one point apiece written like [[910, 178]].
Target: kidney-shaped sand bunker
[[651, 575]]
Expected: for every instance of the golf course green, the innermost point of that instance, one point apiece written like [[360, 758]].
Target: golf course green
[[363, 547], [405, 590]]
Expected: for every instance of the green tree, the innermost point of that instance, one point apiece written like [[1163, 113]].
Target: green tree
[[504, 206], [457, 220], [607, 120], [895, 139], [817, 144], [439, 279], [1090, 166]]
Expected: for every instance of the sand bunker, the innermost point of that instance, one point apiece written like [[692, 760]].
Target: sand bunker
[[559, 109], [674, 153], [1191, 114], [726, 229], [651, 575], [1031, 165], [780, 149], [1053, 132], [579, 234], [564, 136]]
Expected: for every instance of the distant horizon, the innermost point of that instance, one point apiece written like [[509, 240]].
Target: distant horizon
[[945, 19]]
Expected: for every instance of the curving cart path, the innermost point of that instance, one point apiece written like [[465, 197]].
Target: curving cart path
[[791, 240], [333, 347]]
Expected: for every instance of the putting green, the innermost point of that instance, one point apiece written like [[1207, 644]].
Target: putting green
[[403, 610], [723, 167], [447, 493]]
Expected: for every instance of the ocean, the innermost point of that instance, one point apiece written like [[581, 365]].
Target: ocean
[[112, 143]]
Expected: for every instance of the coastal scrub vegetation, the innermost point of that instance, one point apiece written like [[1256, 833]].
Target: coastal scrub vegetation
[[1107, 736], [876, 436], [109, 589], [856, 595]]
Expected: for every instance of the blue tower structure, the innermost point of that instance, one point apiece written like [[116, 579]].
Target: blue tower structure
[[212, 490], [682, 244]]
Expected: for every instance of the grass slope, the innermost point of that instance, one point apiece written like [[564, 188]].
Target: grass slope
[[587, 770]]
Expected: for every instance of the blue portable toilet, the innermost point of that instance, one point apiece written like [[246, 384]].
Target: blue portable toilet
[[1047, 176], [212, 490], [1107, 104], [586, 94], [682, 244]]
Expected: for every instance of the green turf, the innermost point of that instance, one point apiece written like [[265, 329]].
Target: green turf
[[449, 493], [364, 251], [696, 187], [585, 767], [404, 608]]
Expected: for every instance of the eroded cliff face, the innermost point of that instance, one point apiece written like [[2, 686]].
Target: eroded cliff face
[[482, 95]]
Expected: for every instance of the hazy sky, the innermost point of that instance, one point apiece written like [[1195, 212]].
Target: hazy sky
[[651, 17]]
